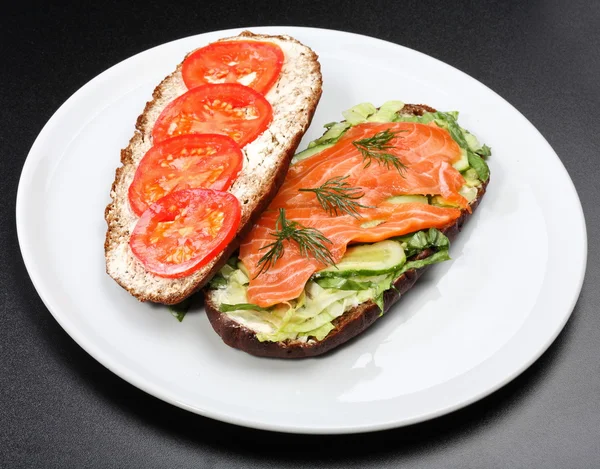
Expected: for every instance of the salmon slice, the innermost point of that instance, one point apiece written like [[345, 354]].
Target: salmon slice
[[427, 152], [286, 279]]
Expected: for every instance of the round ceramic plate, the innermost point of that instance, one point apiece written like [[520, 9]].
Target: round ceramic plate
[[468, 327]]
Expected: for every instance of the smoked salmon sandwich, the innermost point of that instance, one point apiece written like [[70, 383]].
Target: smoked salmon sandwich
[[362, 212]]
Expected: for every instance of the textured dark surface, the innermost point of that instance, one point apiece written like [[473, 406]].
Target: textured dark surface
[[59, 408]]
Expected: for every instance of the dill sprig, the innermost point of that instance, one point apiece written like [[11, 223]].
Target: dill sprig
[[336, 195], [376, 148], [310, 241]]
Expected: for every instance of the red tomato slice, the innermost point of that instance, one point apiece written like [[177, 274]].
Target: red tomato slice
[[184, 162], [185, 230], [228, 109], [251, 63]]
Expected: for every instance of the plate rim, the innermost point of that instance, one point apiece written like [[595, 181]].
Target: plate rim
[[121, 371]]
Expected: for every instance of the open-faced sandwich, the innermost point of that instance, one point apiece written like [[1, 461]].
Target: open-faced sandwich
[[362, 212], [301, 260], [208, 154]]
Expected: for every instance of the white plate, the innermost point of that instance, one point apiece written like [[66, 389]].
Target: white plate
[[467, 328]]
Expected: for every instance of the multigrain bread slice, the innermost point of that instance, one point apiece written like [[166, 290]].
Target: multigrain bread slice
[[346, 326], [293, 98]]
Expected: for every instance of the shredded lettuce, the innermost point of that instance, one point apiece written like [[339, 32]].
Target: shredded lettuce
[[309, 316]]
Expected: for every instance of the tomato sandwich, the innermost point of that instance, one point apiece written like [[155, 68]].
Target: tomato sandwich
[[209, 152]]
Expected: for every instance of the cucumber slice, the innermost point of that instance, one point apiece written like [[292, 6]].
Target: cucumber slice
[[472, 141], [334, 131], [439, 201], [344, 283], [367, 259], [387, 112], [408, 199], [310, 152], [469, 193], [463, 163], [471, 178], [359, 113]]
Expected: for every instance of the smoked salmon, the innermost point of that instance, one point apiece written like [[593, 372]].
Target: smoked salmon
[[426, 153]]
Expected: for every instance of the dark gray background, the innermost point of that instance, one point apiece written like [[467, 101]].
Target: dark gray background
[[60, 408]]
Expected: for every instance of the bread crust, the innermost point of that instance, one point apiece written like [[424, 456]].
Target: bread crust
[[121, 264], [348, 325]]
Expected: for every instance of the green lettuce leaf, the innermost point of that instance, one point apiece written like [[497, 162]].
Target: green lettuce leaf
[[437, 239], [484, 151], [226, 308], [379, 302], [179, 310], [439, 256], [218, 281], [424, 239], [479, 165]]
